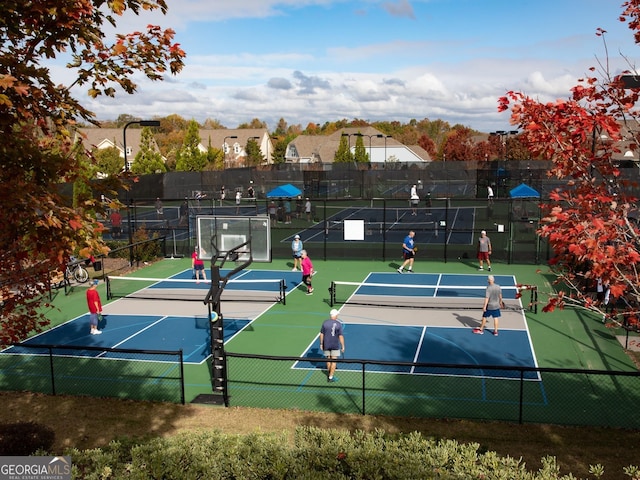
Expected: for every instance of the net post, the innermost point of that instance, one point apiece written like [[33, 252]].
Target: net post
[[108, 283], [283, 291], [332, 294]]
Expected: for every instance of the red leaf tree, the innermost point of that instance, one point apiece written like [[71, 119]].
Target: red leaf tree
[[39, 229], [591, 224]]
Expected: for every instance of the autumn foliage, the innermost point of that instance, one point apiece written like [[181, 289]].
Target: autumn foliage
[[592, 224], [37, 115]]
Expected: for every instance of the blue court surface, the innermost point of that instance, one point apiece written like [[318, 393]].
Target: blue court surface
[[292, 279], [440, 345], [138, 324], [436, 336], [139, 332]]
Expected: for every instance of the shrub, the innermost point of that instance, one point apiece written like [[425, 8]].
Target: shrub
[[314, 454], [148, 251]]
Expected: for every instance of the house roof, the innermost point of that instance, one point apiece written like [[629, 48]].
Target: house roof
[[93, 138], [320, 148]]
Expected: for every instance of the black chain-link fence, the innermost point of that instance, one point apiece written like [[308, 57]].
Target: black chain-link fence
[[446, 229], [152, 375], [512, 394], [337, 181], [453, 208]]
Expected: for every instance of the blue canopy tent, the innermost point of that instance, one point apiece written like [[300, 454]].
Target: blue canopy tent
[[524, 191], [284, 191], [524, 207]]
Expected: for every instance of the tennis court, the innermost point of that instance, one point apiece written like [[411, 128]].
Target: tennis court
[[431, 320], [167, 314], [273, 353], [435, 225]]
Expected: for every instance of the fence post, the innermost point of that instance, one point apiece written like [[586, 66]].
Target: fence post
[[364, 389], [53, 375], [182, 396], [521, 396]]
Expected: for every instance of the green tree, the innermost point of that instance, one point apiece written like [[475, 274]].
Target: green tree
[[215, 158], [360, 153], [148, 159], [254, 154], [280, 148], [37, 116], [343, 153], [108, 161], [189, 158]]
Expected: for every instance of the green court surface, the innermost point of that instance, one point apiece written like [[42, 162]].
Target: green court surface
[[563, 339]]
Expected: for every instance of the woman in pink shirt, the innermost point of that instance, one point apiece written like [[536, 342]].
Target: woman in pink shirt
[[197, 264], [307, 271]]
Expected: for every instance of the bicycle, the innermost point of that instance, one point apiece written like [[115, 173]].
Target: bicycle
[[76, 271]]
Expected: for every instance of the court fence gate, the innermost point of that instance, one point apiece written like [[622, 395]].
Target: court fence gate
[[476, 392], [144, 375]]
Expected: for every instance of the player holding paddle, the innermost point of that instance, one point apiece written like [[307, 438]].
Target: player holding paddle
[[409, 250]]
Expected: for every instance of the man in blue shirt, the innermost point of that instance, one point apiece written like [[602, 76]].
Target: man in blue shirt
[[332, 342], [408, 252]]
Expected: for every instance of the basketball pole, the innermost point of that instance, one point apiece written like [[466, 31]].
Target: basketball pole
[[219, 379]]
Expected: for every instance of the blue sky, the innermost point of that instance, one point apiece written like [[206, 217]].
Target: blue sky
[[325, 60]]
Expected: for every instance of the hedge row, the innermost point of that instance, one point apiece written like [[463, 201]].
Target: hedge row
[[312, 454]]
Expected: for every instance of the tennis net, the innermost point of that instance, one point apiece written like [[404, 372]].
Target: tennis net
[[427, 296], [258, 290]]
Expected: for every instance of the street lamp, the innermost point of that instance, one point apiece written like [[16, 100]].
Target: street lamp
[[504, 136], [370, 137], [504, 141], [348, 135], [142, 123], [224, 150], [385, 149]]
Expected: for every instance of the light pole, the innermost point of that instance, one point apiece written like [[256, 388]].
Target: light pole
[[504, 139], [385, 149], [224, 151], [142, 123], [348, 135], [370, 137]]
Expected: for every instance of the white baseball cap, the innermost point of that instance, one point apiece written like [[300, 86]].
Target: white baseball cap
[[333, 312], [297, 236]]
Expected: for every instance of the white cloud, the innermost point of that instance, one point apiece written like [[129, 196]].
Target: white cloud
[[320, 60]]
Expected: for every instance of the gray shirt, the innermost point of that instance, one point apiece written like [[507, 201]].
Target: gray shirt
[[494, 293], [483, 244]]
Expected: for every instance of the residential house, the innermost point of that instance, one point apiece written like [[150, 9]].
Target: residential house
[[381, 149], [99, 138], [233, 143]]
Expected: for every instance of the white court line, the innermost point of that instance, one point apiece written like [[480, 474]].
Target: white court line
[[140, 331]]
